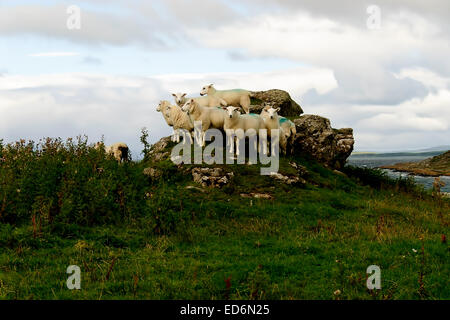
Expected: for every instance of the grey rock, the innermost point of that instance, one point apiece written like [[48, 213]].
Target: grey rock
[[278, 99], [211, 177], [291, 180], [159, 150], [316, 138]]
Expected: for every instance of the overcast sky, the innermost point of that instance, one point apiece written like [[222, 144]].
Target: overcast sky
[[390, 81]]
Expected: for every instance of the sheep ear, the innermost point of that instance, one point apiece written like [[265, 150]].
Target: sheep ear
[[278, 109], [174, 94], [211, 85], [184, 94]]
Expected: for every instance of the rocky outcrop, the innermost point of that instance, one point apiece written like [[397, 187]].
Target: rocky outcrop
[[211, 177], [159, 150], [317, 139], [278, 99]]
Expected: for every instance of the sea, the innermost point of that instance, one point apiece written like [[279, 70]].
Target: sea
[[376, 160]]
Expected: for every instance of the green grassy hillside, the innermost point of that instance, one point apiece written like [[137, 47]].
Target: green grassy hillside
[[64, 203]]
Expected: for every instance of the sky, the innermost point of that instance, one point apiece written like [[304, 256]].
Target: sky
[[380, 67]]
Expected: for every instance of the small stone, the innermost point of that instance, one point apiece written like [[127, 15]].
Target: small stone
[[211, 177], [153, 173]]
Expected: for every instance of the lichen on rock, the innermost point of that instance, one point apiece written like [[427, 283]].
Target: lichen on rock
[[317, 139]]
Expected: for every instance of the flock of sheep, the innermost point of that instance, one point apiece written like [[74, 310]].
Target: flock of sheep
[[220, 109], [216, 109]]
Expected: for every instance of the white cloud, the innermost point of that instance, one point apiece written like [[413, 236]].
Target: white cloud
[[296, 81], [97, 27], [430, 79], [54, 54]]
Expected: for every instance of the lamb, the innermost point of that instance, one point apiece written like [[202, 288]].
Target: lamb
[[180, 121], [249, 124], [209, 117], [235, 97], [119, 150], [208, 101], [287, 127]]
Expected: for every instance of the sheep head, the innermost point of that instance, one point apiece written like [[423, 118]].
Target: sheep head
[[207, 90], [189, 106], [232, 112], [179, 97], [272, 112]]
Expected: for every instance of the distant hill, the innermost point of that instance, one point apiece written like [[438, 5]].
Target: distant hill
[[437, 148], [433, 150], [436, 166], [396, 154]]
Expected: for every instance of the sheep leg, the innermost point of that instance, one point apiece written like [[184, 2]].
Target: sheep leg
[[184, 137], [231, 142], [203, 138]]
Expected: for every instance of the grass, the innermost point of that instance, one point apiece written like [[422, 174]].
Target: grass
[[136, 238]]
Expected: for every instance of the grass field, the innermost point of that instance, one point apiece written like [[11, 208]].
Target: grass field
[[64, 203]]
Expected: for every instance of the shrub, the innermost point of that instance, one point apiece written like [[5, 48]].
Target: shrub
[[69, 182]]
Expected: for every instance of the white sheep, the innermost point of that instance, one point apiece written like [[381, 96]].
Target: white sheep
[[162, 107], [272, 121], [248, 124], [119, 150], [235, 97], [181, 122], [208, 101], [209, 117]]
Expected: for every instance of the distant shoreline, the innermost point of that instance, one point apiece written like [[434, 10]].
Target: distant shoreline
[[397, 154], [417, 172], [436, 166]]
